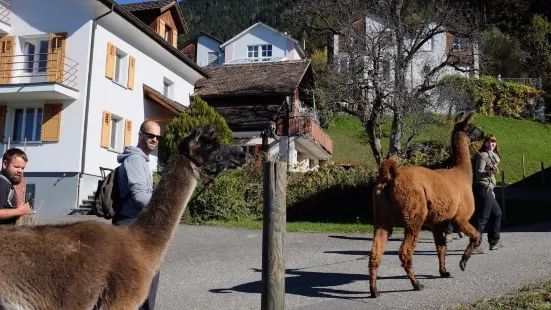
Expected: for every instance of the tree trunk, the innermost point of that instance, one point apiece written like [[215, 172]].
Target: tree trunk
[[396, 132], [373, 130]]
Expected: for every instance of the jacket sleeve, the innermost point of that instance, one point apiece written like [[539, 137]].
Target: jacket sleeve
[[137, 180], [481, 166]]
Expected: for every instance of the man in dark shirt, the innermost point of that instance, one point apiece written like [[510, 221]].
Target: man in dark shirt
[[14, 162]]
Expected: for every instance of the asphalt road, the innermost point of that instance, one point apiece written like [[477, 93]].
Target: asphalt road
[[220, 268]]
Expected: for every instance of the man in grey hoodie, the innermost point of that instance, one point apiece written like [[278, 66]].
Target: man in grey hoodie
[[136, 186]]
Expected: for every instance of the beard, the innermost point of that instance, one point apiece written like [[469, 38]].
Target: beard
[[14, 178]]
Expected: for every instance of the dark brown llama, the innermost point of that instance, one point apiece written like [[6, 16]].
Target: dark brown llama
[[421, 196], [93, 265]]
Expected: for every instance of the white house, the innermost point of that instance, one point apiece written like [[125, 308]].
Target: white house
[[433, 52], [204, 49], [77, 78], [261, 42]]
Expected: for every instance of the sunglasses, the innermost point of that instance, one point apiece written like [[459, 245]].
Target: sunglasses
[[151, 136]]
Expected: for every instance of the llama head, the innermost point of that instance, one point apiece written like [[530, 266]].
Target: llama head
[[204, 150], [465, 126]]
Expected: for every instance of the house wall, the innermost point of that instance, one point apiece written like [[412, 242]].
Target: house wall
[[206, 45], [256, 36]]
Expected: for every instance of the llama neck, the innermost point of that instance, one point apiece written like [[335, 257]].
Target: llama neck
[[461, 158], [161, 216]]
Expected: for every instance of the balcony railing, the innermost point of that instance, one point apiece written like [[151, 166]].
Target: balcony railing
[[39, 68], [305, 125], [5, 11]]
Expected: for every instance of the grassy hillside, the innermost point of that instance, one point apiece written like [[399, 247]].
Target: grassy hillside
[[515, 138]]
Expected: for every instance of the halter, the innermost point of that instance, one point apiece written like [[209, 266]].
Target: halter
[[210, 179]]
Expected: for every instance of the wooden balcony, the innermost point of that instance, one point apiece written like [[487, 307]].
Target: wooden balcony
[[306, 126], [46, 73], [5, 17]]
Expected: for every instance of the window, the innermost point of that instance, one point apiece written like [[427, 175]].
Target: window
[[167, 87], [121, 67], [117, 133], [212, 58], [259, 52], [27, 123], [428, 46], [168, 34], [30, 190], [457, 44], [36, 51]]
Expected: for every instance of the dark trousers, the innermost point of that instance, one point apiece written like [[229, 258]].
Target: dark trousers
[[487, 213], [149, 303]]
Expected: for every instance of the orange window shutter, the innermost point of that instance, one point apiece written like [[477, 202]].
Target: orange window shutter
[[131, 71], [3, 111], [51, 122], [162, 28], [55, 67], [110, 64], [105, 129], [6, 59], [175, 38], [127, 132]]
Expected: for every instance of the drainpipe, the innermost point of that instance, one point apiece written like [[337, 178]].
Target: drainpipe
[[87, 104]]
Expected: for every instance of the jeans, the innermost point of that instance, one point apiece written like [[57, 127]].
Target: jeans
[[149, 303], [487, 213]]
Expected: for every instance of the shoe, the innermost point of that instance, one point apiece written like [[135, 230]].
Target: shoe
[[497, 246], [479, 250], [449, 238]]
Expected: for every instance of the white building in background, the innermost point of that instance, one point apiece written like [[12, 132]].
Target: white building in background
[[77, 78]]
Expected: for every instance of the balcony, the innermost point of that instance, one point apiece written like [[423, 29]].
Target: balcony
[[311, 136], [5, 12], [46, 76]]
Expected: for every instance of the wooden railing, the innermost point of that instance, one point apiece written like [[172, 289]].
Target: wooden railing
[[39, 68], [305, 125], [5, 11]]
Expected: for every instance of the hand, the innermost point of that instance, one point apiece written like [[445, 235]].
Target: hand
[[23, 209], [494, 194]]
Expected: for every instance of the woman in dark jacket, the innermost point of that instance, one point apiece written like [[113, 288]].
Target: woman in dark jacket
[[487, 210]]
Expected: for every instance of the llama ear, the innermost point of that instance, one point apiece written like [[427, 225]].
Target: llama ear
[[459, 116], [470, 116]]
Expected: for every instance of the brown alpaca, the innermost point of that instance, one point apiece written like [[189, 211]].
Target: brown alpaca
[[421, 196], [92, 265]]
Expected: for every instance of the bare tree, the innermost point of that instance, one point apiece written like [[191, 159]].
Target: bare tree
[[386, 57]]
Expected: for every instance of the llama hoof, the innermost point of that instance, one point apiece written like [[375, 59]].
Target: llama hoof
[[445, 274], [375, 294], [418, 287], [463, 265]]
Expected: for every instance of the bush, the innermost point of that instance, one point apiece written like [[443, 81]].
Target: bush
[[197, 115], [490, 96]]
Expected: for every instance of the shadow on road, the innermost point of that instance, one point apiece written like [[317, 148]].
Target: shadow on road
[[393, 252], [317, 284]]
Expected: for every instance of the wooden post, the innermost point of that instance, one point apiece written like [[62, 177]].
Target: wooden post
[[523, 171], [542, 175], [503, 213], [273, 236]]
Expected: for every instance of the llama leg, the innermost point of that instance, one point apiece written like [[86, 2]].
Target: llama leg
[[440, 241], [474, 240], [406, 254], [380, 238]]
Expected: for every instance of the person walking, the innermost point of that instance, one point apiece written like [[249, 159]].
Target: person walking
[[135, 181], [487, 210]]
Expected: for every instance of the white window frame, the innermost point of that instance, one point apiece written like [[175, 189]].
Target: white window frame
[[260, 52], [457, 44], [168, 88], [120, 75], [37, 124], [116, 133], [35, 49], [428, 46], [215, 61]]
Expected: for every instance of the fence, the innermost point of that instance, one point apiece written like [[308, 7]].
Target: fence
[[39, 68]]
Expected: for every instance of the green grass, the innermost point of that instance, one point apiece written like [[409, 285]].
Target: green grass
[[532, 296], [310, 227], [515, 138]]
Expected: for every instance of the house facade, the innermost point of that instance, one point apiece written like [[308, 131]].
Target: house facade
[[74, 93], [204, 49], [270, 97], [441, 47]]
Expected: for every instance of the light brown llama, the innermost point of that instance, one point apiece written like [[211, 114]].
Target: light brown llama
[[93, 265], [421, 196]]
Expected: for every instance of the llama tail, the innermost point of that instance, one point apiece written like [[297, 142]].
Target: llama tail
[[387, 173], [382, 201]]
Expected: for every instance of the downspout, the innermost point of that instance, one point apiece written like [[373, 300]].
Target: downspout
[[87, 104]]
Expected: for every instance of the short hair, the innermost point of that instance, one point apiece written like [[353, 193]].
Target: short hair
[[144, 124], [14, 152]]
